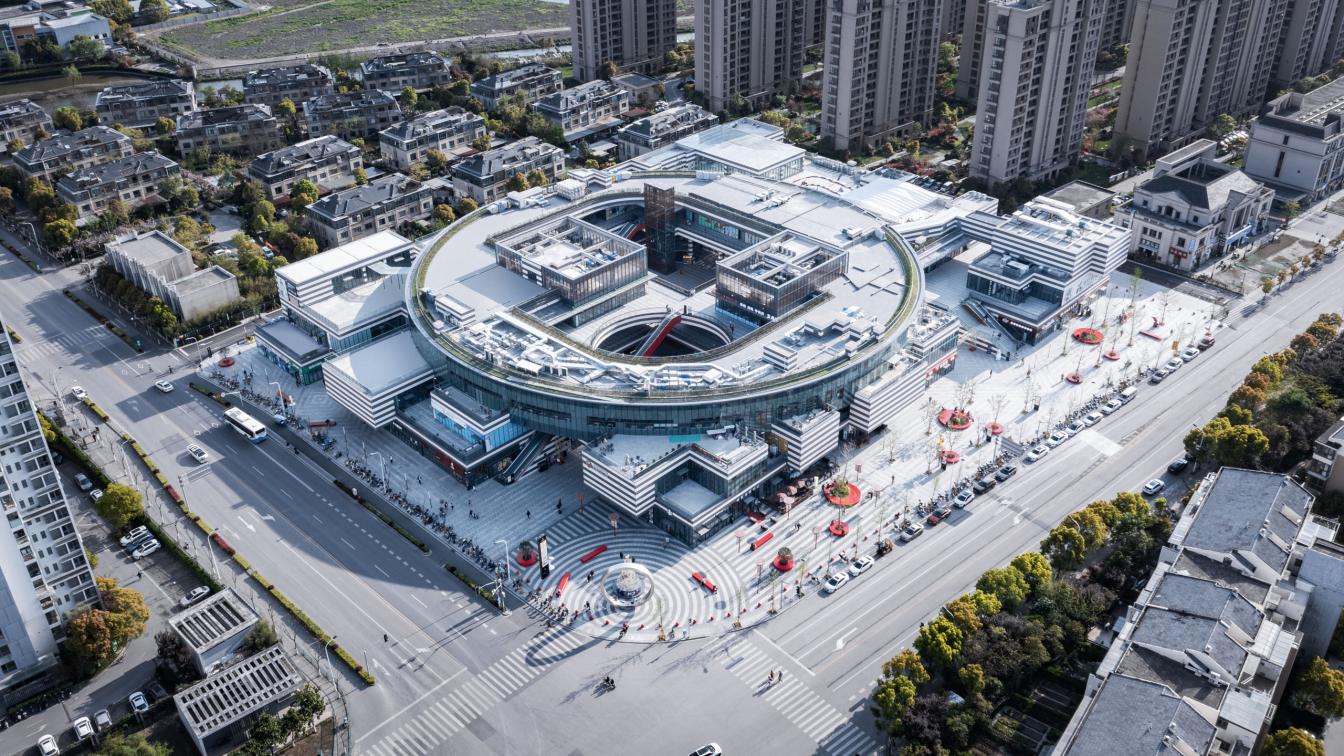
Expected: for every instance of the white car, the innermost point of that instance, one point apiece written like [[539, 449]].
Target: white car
[[164, 387], [146, 548], [1190, 354], [1075, 427], [1157, 375], [1174, 364], [103, 720], [962, 499], [83, 728], [1040, 450], [196, 594], [1092, 418], [911, 532], [1154, 486], [1056, 438], [139, 704], [836, 582], [96, 494], [136, 534], [79, 393], [83, 482], [46, 745], [197, 453], [860, 566], [1111, 406], [712, 749]]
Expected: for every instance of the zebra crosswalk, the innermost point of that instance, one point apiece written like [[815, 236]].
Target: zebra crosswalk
[[831, 729], [438, 721], [70, 342]]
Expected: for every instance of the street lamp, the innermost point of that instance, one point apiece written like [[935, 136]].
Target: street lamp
[[279, 394], [507, 573], [326, 651], [382, 465]]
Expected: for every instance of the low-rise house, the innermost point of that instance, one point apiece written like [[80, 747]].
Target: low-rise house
[[327, 161], [586, 109], [162, 268], [380, 205], [1194, 208], [214, 629], [534, 81], [66, 153], [351, 114], [294, 83], [239, 130], [1294, 146], [448, 130], [26, 24], [483, 176], [1086, 200], [143, 104], [644, 90], [134, 180], [417, 70], [663, 128], [22, 120]]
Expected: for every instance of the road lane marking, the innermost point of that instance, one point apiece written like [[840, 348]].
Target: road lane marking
[[380, 569], [761, 634], [418, 601], [319, 519], [347, 543], [398, 714]]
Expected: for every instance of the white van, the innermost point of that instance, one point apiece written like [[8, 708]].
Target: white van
[[1127, 394]]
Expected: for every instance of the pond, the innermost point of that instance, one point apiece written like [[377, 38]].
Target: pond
[[58, 91]]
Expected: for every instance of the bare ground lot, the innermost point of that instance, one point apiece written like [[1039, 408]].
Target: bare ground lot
[[297, 26]]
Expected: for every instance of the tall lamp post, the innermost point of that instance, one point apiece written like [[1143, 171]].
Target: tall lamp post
[[501, 579], [326, 651]]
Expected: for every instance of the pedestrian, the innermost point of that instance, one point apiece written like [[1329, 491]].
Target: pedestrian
[[685, 633], [418, 480], [529, 514], [667, 542], [622, 556], [384, 637], [781, 675]]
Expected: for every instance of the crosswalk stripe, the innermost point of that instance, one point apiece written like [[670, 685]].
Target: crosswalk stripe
[[417, 732], [447, 713], [466, 704]]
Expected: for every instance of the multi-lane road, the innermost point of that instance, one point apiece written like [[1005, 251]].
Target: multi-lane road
[[455, 676]]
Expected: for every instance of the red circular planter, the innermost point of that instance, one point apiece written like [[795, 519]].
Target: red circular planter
[[782, 564], [226, 362], [1089, 336], [957, 420], [950, 457], [847, 501], [1111, 355], [526, 559], [839, 529], [995, 429], [1074, 378]]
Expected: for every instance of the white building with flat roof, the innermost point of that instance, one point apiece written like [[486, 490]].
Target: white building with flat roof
[[218, 710]]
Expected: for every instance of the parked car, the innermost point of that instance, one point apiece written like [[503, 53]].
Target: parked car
[[1092, 418], [95, 495], [46, 745], [197, 453], [1005, 472], [1157, 375], [860, 566], [911, 532], [155, 692], [139, 704], [194, 595], [57, 458], [139, 541], [835, 582], [79, 393], [1174, 364], [984, 484], [83, 482], [1056, 438], [145, 549], [1154, 486], [1178, 465], [962, 499], [1206, 342], [103, 720], [712, 749], [164, 387], [83, 728], [135, 534], [1038, 451], [1190, 354], [1111, 406], [1075, 427]]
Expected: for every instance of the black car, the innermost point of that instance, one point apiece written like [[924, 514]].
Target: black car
[[1005, 472], [1178, 465], [984, 484]]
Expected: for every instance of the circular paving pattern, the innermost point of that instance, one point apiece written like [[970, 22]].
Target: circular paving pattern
[[1089, 336], [956, 420]]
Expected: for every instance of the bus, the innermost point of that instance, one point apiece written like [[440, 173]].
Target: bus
[[243, 423]]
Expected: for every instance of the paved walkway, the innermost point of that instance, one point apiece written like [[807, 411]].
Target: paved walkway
[[898, 465]]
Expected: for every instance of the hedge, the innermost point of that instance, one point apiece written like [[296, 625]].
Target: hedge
[[98, 316], [26, 260], [484, 593], [312, 626], [221, 401], [96, 410], [192, 564], [13, 334], [388, 521]]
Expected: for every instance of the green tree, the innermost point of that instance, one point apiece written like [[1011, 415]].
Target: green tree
[[1090, 525], [154, 11], [83, 47], [262, 636], [88, 641], [361, 177], [6, 200], [1035, 568], [1320, 690], [164, 126], [465, 206], [116, 215], [60, 234], [907, 665], [305, 247], [72, 73], [266, 732], [973, 679], [303, 193], [444, 214], [517, 183], [481, 143], [1291, 208], [436, 161], [115, 10], [134, 744], [126, 610], [68, 118], [892, 699], [119, 505], [1007, 584], [537, 177], [608, 70], [292, 722], [939, 642], [1064, 547], [1223, 125], [409, 98], [308, 700], [11, 60], [1292, 741]]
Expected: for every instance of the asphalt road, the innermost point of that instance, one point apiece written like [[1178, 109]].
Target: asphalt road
[[358, 579]]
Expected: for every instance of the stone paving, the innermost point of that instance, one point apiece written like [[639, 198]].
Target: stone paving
[[898, 465]]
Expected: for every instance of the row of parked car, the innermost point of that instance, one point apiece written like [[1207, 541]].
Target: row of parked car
[[84, 727]]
